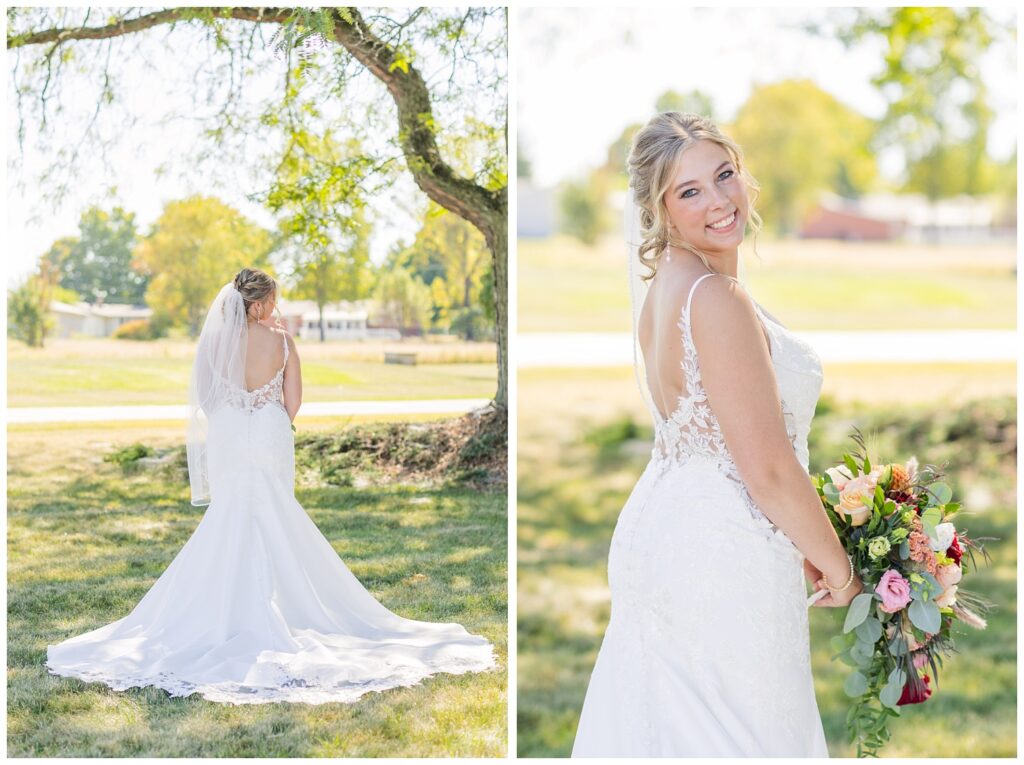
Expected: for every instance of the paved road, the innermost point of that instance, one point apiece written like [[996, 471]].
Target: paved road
[[596, 349], [313, 408]]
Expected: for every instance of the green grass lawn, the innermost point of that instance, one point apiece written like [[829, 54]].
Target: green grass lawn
[[577, 464], [807, 284], [86, 541], [96, 372]]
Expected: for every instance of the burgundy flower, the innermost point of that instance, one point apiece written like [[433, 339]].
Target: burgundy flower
[[915, 691], [954, 550]]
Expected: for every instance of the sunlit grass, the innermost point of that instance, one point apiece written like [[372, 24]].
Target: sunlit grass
[[94, 372], [85, 542], [806, 284], [574, 477]]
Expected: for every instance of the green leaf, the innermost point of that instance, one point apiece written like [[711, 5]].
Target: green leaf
[[831, 493], [862, 654], [942, 493], [850, 463], [867, 465], [858, 611], [855, 685], [890, 695], [869, 630], [925, 616], [898, 677]]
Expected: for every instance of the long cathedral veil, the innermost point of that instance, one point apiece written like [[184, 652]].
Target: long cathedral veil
[[217, 375]]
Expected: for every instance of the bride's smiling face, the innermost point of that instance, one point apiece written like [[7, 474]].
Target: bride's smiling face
[[706, 199]]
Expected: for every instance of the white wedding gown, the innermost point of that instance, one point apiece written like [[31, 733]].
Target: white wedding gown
[[707, 650], [257, 606]]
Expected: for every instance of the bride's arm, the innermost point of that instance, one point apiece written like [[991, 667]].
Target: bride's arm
[[292, 380], [739, 380]]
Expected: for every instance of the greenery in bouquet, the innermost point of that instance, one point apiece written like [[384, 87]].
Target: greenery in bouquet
[[895, 522]]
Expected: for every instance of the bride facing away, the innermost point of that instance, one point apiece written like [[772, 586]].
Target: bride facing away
[[257, 606], [707, 648]]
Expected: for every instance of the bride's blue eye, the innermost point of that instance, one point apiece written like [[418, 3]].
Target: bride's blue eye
[[685, 194]]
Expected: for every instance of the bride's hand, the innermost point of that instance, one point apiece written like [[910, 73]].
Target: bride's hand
[[838, 599], [812, 573]]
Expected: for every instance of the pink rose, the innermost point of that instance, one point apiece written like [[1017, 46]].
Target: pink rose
[[920, 660], [949, 575], [894, 591]]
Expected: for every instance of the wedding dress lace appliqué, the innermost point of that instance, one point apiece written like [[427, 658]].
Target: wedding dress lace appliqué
[[707, 649], [257, 607]]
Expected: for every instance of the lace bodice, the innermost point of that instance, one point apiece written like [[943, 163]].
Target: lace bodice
[[270, 393], [692, 431]]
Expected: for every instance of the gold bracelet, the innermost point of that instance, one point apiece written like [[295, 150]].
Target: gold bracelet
[[848, 581]]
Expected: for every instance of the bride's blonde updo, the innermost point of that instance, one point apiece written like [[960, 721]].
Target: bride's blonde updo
[[254, 286], [652, 162]]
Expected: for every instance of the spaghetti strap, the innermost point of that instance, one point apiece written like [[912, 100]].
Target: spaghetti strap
[[689, 297]]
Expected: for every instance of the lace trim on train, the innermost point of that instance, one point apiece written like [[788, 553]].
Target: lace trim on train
[[693, 431], [287, 688]]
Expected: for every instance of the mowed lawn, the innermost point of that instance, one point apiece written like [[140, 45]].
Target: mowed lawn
[[584, 437], [565, 286], [86, 541], [102, 371]]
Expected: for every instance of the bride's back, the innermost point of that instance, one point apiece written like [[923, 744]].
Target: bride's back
[[661, 339], [264, 355]]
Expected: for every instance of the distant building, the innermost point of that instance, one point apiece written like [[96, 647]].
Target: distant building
[[342, 321], [911, 217], [93, 320], [536, 217]]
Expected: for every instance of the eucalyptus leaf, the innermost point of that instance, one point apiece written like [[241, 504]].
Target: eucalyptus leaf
[[855, 685], [869, 630], [862, 654], [831, 493], [942, 493], [858, 611], [925, 616], [890, 695], [898, 677], [904, 550]]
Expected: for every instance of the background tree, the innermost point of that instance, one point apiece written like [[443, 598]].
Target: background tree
[[695, 101], [28, 306], [197, 245], [798, 141], [937, 111], [97, 263], [583, 207], [403, 301], [389, 48]]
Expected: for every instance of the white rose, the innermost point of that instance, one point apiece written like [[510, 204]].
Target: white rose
[[839, 475], [943, 537]]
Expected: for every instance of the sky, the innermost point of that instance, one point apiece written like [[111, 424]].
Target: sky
[[149, 163], [585, 74]]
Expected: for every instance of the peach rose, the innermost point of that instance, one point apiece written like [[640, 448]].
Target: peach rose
[[839, 476], [947, 598], [949, 575], [851, 498]]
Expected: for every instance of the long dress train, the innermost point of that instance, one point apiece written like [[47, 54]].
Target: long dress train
[[257, 606]]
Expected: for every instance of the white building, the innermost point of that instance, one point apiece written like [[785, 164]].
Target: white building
[[93, 320], [342, 321]]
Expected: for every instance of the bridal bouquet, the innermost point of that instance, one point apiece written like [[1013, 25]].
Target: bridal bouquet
[[895, 523]]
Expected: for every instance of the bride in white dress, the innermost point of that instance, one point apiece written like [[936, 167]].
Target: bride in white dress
[[707, 650], [257, 606]]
